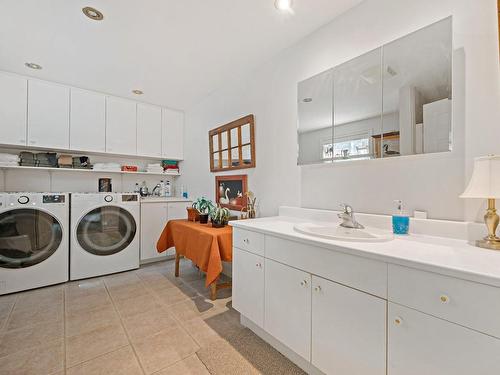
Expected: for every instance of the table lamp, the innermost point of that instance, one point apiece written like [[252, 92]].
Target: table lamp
[[485, 184]]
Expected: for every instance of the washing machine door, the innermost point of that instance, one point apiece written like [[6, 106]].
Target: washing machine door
[[27, 237], [106, 230]]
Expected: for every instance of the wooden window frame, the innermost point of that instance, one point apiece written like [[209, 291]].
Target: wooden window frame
[[237, 124]]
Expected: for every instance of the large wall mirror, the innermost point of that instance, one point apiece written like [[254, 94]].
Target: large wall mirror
[[395, 100]]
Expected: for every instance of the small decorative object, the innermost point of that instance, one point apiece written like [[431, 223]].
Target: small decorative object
[[232, 146], [230, 191], [193, 214], [203, 206], [485, 184], [251, 205], [219, 216], [105, 185]]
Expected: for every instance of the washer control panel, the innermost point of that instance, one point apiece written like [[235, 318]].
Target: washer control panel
[[53, 198], [23, 199]]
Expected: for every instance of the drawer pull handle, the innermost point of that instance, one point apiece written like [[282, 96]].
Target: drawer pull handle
[[398, 320], [318, 288], [303, 283], [444, 299]]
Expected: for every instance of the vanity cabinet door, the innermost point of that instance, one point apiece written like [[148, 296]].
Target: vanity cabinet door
[[422, 344], [248, 285], [148, 130], [121, 126], [172, 138], [288, 307], [348, 330]]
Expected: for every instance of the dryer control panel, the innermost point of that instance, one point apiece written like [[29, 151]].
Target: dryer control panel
[[53, 198]]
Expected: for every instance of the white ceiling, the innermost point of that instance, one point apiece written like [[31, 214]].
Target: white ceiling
[[177, 52]]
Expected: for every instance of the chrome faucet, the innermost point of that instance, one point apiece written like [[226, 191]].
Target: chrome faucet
[[347, 216]]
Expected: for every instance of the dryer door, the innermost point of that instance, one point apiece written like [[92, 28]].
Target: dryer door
[[106, 230], [27, 237]]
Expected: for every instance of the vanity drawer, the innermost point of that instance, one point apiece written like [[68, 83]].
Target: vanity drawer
[[252, 242], [360, 273], [467, 303]]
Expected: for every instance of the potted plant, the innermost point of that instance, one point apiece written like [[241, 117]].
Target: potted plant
[[219, 216], [203, 206]]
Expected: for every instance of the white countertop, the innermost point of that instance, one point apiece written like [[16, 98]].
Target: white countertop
[[163, 199], [452, 257]]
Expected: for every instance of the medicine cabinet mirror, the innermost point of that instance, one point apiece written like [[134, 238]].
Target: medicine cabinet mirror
[[232, 146], [392, 101]]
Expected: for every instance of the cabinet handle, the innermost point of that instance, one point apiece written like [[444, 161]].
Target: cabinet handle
[[317, 288], [444, 298], [258, 265], [398, 320], [303, 282], [246, 240]]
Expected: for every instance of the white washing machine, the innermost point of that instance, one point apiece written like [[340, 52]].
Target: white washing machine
[[34, 244], [104, 234]]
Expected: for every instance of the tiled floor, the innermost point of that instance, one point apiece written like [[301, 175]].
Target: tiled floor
[[139, 322]]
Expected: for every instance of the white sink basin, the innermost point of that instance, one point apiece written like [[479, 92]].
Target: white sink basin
[[336, 232]]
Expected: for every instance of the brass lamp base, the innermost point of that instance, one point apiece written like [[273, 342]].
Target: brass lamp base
[[491, 219]]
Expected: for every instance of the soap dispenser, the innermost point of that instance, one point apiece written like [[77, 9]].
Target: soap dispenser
[[400, 220]]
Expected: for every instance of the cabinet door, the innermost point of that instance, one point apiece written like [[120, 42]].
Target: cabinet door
[[348, 330], [148, 130], [13, 106], [121, 126], [48, 115], [153, 220], [248, 285], [178, 210], [172, 134], [288, 307], [87, 121], [422, 344]]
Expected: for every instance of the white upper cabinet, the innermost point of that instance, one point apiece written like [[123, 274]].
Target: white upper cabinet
[[48, 115], [148, 130], [172, 134], [121, 126], [348, 330], [13, 106], [88, 121]]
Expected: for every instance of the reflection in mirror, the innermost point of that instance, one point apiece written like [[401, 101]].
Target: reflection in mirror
[[225, 158], [216, 160], [417, 92], [245, 134], [247, 154], [315, 103], [235, 156], [357, 107]]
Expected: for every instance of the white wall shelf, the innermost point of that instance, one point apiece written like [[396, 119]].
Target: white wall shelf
[[19, 167]]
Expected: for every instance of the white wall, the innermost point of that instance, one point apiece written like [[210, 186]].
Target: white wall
[[426, 182]]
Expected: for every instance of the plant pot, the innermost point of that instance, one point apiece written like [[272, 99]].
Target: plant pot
[[218, 224], [193, 214], [203, 218]]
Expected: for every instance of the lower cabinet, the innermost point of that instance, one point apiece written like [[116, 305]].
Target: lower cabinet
[[288, 307], [248, 285], [348, 330], [422, 344]]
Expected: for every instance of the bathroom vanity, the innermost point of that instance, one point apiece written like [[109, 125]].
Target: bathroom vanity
[[413, 305]]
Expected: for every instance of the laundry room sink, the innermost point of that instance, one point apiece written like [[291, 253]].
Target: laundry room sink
[[336, 232]]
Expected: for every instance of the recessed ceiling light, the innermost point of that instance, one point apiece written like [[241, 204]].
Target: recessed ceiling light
[[307, 100], [283, 4], [137, 92], [33, 66], [93, 13]]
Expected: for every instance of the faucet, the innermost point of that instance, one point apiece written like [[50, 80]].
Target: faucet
[[157, 187], [347, 216]]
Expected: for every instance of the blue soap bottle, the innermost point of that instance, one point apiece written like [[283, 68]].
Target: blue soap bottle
[[400, 221]]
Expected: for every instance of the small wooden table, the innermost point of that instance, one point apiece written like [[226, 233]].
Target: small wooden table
[[205, 246]]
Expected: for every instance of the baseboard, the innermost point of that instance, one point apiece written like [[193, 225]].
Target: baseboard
[[157, 259], [287, 352]]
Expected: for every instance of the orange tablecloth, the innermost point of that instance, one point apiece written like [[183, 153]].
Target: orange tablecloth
[[207, 247]]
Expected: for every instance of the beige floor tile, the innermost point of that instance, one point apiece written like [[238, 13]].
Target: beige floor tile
[[161, 283], [87, 303], [189, 366], [136, 305], [46, 359], [164, 349], [6, 304], [43, 297], [175, 295], [120, 279], [128, 291], [78, 323], [29, 337], [83, 288], [148, 323], [37, 314], [199, 286], [205, 331], [193, 308], [119, 362], [92, 344]]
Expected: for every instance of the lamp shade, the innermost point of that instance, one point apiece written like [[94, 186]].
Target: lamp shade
[[485, 180]]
